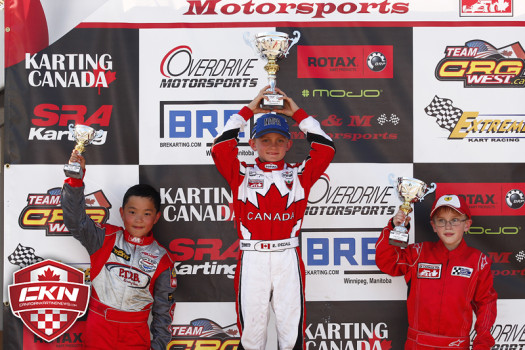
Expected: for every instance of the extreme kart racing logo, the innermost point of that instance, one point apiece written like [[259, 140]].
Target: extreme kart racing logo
[[476, 127], [181, 70], [48, 296], [44, 211], [203, 333], [480, 64]]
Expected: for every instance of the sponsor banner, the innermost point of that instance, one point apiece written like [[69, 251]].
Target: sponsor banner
[[80, 79], [210, 325], [345, 261], [509, 329], [359, 89], [356, 325], [72, 338], [486, 8], [357, 196], [196, 226], [33, 215], [459, 83]]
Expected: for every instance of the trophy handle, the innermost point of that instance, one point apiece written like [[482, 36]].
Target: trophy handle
[[430, 189], [249, 40], [392, 179], [293, 41]]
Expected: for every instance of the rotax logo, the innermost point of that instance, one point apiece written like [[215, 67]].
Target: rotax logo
[[44, 211], [478, 63], [489, 199], [48, 296], [345, 62]]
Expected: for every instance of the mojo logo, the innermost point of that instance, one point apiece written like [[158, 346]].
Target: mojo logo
[[47, 117], [196, 204], [473, 126], [345, 61], [362, 335], [44, 211], [181, 70], [328, 199], [203, 333], [72, 70], [480, 64], [470, 8], [48, 296]]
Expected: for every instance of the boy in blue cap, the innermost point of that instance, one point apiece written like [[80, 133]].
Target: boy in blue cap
[[270, 199]]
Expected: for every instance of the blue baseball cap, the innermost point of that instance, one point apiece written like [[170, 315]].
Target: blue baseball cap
[[268, 123]]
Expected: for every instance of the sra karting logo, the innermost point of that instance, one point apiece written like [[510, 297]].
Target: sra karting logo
[[203, 333], [49, 297], [480, 64], [44, 211], [474, 126]]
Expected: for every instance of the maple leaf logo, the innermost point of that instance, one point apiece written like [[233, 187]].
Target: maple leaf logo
[[48, 275], [109, 77], [377, 343], [231, 332]]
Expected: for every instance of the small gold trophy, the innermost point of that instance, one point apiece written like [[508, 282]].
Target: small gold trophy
[[409, 191], [84, 135]]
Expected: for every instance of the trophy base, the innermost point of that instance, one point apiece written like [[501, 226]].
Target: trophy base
[[399, 237], [273, 102], [74, 171]]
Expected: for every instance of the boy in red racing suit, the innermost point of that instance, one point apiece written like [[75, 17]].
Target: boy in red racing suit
[[131, 274], [270, 198], [447, 281]]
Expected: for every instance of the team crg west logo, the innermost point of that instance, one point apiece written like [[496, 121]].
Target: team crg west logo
[[48, 296], [44, 211], [478, 63], [489, 8], [203, 333]]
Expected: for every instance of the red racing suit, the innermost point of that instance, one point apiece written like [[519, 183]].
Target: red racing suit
[[444, 288], [270, 199], [130, 278]]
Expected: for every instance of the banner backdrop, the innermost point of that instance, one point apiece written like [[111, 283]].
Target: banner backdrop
[[431, 89]]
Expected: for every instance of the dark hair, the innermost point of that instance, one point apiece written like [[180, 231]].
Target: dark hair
[[143, 190]]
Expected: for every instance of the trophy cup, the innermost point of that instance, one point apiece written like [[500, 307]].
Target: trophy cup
[[83, 135], [272, 46], [410, 191]]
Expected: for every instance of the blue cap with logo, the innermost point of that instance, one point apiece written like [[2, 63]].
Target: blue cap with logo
[[268, 123]]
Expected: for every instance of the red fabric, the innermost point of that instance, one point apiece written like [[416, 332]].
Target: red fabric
[[28, 32], [445, 287]]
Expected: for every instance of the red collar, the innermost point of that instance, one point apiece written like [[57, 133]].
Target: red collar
[[146, 240], [270, 166]]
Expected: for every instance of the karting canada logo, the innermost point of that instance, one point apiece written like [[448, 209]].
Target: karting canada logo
[[345, 62], [474, 126], [44, 211], [485, 8], [203, 333], [48, 296], [480, 64]]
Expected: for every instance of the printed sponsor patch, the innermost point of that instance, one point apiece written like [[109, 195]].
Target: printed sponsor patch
[[462, 271], [432, 271], [121, 253]]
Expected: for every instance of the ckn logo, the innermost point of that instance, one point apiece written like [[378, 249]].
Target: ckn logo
[[48, 296]]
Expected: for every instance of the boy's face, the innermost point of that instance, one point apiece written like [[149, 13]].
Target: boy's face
[[271, 147], [139, 215], [443, 223]]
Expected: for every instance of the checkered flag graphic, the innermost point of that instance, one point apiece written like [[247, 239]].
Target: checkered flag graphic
[[24, 256], [446, 114]]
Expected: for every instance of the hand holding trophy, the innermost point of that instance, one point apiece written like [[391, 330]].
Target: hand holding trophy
[[409, 191], [84, 135], [272, 46]]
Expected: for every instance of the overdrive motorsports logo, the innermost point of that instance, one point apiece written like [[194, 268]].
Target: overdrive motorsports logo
[[480, 64], [44, 211], [48, 296], [474, 126]]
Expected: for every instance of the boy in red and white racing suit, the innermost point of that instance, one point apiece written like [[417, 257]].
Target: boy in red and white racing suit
[[131, 273], [270, 199], [447, 281]]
